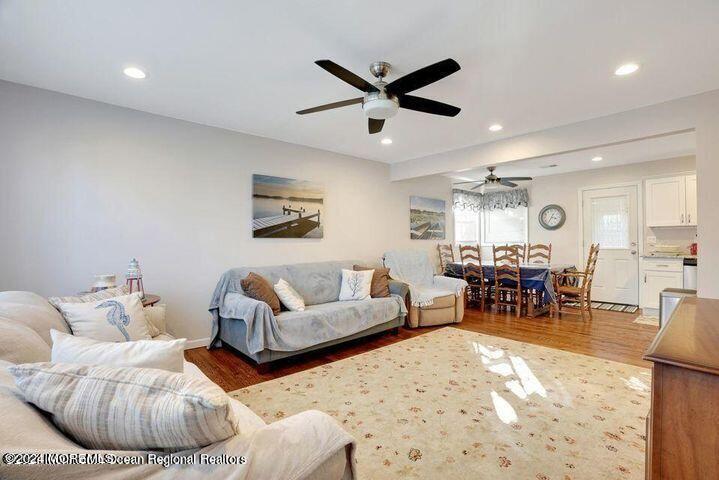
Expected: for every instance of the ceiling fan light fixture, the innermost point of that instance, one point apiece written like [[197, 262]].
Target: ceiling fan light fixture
[[380, 108]]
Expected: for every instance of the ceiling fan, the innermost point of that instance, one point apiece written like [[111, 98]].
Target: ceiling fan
[[492, 179], [381, 100]]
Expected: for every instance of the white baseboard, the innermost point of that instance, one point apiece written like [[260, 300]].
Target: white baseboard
[[200, 342]]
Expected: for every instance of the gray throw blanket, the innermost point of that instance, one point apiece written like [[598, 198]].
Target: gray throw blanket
[[325, 318]]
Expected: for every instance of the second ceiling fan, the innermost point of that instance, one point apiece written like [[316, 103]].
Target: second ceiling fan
[[381, 100], [492, 179]]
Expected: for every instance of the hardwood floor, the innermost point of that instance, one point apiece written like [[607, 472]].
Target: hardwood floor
[[609, 335]]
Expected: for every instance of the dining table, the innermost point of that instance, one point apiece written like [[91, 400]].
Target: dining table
[[535, 277]]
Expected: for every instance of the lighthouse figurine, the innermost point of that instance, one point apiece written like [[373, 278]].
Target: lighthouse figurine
[[134, 278]]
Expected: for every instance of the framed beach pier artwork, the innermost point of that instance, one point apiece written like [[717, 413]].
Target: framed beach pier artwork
[[286, 208], [426, 218]]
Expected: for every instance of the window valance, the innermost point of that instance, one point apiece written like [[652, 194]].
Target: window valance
[[467, 200]]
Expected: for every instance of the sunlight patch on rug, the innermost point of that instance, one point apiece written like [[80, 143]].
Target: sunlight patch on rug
[[456, 404]]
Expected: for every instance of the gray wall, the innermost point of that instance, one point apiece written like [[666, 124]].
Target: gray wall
[[85, 186]]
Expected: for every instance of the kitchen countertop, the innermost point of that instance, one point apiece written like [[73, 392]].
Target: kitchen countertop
[[690, 337], [668, 256]]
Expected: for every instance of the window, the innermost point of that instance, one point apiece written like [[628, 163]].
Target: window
[[610, 222], [489, 227], [504, 226], [466, 226]]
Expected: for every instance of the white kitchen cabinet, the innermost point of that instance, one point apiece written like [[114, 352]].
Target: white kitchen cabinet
[[658, 274], [691, 199], [671, 201]]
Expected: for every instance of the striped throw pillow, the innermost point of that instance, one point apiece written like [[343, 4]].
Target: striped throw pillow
[[90, 297], [124, 408]]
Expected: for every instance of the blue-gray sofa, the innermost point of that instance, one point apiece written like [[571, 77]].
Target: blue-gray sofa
[[249, 326]]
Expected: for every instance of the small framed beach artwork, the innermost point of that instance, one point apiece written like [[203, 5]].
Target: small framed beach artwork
[[286, 208], [426, 218]]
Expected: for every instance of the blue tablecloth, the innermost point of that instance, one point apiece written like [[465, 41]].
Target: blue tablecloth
[[532, 277]]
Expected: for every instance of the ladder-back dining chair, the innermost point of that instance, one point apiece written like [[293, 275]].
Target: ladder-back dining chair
[[539, 253], [581, 290], [446, 255], [473, 274], [521, 251], [507, 280]]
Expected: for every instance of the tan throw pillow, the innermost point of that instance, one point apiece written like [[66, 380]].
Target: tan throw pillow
[[255, 286], [380, 281], [123, 408]]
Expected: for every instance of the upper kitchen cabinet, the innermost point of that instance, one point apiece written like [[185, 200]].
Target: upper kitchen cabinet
[[671, 201]]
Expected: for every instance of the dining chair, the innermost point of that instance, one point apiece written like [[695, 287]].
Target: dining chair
[[539, 253], [507, 286], [581, 290], [521, 251], [473, 274], [446, 255]]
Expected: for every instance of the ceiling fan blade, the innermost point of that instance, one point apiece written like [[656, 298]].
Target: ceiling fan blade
[[507, 183], [375, 126], [477, 186], [426, 105], [516, 179], [463, 183], [423, 77], [330, 106], [347, 76]]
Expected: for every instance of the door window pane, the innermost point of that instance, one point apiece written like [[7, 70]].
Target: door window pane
[[610, 222]]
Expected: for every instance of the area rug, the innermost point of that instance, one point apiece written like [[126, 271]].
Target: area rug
[[455, 404], [612, 307], [647, 320]]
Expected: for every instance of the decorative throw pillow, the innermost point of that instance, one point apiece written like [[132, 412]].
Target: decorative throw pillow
[[289, 296], [155, 316], [165, 355], [118, 319], [255, 286], [121, 408], [90, 297], [380, 281], [355, 285]]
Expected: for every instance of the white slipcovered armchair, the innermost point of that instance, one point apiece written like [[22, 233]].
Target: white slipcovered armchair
[[433, 299]]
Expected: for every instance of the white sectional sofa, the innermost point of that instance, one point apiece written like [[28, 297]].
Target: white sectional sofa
[[309, 445]]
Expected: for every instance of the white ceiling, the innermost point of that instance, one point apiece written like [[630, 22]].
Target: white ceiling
[[639, 151], [248, 66]]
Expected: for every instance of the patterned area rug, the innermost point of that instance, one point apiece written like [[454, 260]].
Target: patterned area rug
[[612, 307], [454, 404]]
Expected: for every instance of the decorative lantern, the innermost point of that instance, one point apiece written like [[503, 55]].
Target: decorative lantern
[[134, 277]]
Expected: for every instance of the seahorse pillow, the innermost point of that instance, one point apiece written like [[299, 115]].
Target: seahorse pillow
[[117, 319], [356, 285]]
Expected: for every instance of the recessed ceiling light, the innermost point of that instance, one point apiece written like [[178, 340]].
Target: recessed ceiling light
[[386, 141], [134, 72], [597, 159], [626, 69], [495, 128]]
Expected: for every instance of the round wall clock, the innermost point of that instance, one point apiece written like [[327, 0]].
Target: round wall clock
[[552, 217]]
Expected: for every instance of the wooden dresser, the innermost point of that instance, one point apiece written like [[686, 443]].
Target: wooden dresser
[[683, 423]]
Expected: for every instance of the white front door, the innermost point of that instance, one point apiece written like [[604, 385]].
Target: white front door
[[609, 217]]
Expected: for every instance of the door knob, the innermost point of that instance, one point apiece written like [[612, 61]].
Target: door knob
[[633, 252]]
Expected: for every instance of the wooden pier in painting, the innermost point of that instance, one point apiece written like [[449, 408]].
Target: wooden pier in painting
[[425, 231], [293, 223]]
